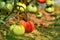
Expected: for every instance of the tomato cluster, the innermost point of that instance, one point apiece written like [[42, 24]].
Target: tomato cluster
[[22, 27], [6, 5], [49, 6]]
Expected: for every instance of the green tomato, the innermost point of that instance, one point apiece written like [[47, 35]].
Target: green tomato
[[57, 18], [20, 9], [2, 17], [10, 1], [23, 8], [17, 29], [32, 8], [8, 7], [49, 9], [12, 27], [49, 2], [39, 14], [2, 5]]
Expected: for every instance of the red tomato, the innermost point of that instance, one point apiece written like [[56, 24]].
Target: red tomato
[[41, 1], [30, 27], [27, 29]]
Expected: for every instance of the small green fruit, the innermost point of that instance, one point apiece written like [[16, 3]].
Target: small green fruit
[[22, 8], [2, 17], [17, 29], [8, 7], [39, 14], [11, 1], [32, 8], [49, 2], [12, 27], [2, 5], [57, 18], [49, 9]]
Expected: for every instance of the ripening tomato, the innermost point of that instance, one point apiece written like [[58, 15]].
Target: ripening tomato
[[17, 29], [29, 26], [22, 22], [41, 1]]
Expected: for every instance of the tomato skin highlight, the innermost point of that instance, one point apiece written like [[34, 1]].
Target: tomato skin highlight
[[41, 1], [32, 8]]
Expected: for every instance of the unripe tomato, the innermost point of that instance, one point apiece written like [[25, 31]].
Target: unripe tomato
[[2, 5], [8, 7], [22, 6], [39, 14], [11, 1], [41, 1], [2, 17], [32, 8], [17, 29], [49, 9], [50, 2]]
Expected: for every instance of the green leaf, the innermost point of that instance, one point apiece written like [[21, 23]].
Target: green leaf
[[9, 37]]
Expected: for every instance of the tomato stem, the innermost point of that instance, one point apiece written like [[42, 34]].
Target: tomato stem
[[26, 16]]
